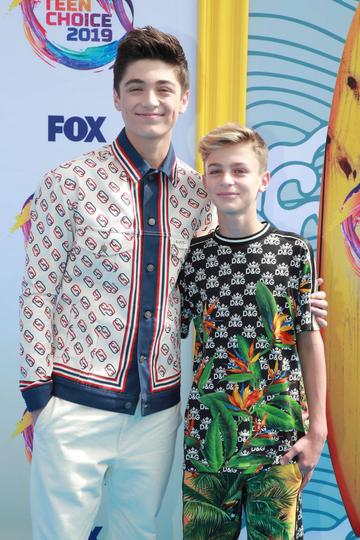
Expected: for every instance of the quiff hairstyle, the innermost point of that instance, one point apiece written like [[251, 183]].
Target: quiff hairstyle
[[232, 133], [148, 43]]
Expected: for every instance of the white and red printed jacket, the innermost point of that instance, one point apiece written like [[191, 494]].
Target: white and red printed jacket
[[100, 306]]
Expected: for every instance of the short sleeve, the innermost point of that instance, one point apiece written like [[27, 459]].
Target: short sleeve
[[186, 287], [304, 320]]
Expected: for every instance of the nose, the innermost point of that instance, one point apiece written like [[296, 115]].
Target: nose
[[227, 178], [151, 99]]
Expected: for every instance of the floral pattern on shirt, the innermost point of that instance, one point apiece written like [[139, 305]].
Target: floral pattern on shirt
[[245, 408]]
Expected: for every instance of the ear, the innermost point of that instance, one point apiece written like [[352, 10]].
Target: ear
[[265, 179], [117, 103], [204, 181], [184, 102]]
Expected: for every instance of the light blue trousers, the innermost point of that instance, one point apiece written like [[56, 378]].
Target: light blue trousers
[[77, 448]]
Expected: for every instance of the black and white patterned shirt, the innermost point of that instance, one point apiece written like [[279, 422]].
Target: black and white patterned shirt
[[249, 298]]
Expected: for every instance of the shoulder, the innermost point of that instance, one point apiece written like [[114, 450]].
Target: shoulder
[[183, 168], [84, 163], [289, 237], [202, 242], [188, 175]]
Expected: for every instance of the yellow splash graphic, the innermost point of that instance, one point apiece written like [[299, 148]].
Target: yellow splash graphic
[[22, 424], [14, 4], [21, 218]]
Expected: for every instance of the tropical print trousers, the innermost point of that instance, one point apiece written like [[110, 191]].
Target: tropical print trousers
[[214, 503]]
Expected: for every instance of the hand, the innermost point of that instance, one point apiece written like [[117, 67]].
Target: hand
[[319, 305], [35, 414], [308, 451]]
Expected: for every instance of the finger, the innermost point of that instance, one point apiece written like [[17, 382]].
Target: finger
[[321, 322], [319, 300], [319, 309], [286, 458], [320, 281], [318, 295]]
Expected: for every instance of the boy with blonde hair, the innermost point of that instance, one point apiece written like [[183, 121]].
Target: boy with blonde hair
[[247, 287]]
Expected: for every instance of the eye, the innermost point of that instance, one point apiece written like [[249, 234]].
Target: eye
[[134, 89], [239, 172], [214, 172], [165, 90]]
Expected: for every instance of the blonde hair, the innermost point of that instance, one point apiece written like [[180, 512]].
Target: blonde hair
[[232, 133]]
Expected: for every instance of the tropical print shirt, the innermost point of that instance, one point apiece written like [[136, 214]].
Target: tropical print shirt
[[248, 297]]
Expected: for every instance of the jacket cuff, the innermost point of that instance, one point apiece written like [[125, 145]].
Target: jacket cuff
[[38, 396]]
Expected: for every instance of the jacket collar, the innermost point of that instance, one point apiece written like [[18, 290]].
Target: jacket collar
[[136, 166]]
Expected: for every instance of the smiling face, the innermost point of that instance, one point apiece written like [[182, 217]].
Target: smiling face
[[233, 179], [150, 100]]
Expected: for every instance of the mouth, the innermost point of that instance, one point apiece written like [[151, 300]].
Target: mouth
[[227, 194], [149, 115]]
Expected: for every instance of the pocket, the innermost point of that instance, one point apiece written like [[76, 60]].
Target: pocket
[[45, 413], [100, 244]]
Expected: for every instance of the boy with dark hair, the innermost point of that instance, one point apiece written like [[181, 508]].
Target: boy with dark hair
[[247, 286], [100, 352]]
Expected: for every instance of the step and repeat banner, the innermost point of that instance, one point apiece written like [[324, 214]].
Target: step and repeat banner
[[56, 103]]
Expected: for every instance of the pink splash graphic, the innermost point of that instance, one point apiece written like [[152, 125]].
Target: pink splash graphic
[[28, 436], [351, 227], [26, 225], [26, 428]]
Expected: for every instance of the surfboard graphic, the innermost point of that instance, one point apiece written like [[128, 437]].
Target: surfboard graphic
[[339, 264]]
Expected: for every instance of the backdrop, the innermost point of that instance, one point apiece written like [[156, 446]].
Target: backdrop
[[56, 103]]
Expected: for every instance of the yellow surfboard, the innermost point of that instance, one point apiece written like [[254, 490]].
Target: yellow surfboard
[[339, 265]]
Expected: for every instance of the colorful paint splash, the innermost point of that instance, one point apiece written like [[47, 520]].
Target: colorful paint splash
[[23, 219], [350, 226], [26, 428], [91, 58]]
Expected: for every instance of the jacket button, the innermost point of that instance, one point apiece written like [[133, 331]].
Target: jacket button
[[147, 314], [128, 405], [151, 221], [150, 267], [142, 358]]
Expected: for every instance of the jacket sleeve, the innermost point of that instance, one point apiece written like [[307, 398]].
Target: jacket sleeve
[[50, 239]]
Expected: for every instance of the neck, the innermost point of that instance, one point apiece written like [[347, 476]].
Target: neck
[[153, 151], [238, 226]]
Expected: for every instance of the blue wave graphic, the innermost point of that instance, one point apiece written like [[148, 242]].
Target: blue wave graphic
[[290, 89]]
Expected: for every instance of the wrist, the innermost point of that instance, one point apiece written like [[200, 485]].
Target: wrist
[[318, 431]]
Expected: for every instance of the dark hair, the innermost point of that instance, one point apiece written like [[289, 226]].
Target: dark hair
[[148, 43]]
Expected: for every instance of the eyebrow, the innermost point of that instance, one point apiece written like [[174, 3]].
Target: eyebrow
[[239, 164], [141, 81]]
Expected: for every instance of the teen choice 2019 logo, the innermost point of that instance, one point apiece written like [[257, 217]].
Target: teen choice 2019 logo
[[80, 34]]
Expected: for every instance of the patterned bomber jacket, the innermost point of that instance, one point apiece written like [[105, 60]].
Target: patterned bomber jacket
[[100, 306]]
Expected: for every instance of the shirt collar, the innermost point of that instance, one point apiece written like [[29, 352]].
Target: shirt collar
[[135, 164], [244, 239]]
